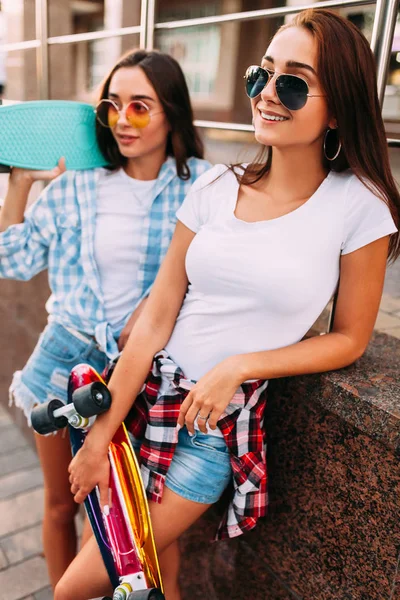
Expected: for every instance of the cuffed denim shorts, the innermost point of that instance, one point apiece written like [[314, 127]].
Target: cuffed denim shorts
[[45, 375], [200, 469]]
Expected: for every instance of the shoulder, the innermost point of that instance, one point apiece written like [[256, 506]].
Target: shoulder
[[367, 216], [214, 178], [56, 191], [209, 198], [361, 195], [65, 190]]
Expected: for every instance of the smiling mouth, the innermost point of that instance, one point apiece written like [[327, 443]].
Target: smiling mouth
[[270, 117]]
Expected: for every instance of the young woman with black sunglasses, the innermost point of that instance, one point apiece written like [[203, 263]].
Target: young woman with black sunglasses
[[261, 247], [102, 235]]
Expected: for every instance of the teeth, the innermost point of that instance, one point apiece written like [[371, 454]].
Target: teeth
[[272, 117]]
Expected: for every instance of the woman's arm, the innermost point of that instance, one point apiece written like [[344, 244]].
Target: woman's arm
[[25, 237], [150, 334], [362, 276], [125, 333]]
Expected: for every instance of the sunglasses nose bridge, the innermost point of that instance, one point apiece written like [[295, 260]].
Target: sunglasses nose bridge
[[269, 89], [122, 118]]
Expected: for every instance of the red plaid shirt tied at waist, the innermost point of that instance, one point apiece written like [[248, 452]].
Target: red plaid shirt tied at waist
[[153, 420]]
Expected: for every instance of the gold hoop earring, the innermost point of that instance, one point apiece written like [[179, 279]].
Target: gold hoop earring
[[325, 144]]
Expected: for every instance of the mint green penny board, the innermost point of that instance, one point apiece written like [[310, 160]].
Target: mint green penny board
[[35, 135]]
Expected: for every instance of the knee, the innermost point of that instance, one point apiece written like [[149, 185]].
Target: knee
[[62, 591], [60, 511]]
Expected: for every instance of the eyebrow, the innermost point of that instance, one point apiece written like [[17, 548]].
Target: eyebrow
[[134, 97], [294, 64]]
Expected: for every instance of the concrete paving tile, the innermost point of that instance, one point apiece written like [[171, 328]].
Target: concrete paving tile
[[46, 594], [23, 579], [22, 511], [22, 545], [21, 481], [23, 458], [3, 560], [5, 418], [390, 304], [386, 321], [395, 332], [11, 439]]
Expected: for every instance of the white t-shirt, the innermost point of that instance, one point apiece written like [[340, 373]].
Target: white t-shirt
[[122, 205], [260, 286]]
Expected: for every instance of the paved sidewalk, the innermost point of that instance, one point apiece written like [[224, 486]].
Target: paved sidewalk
[[23, 574], [23, 571]]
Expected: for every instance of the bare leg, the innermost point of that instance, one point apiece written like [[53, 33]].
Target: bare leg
[[86, 577], [169, 561], [59, 534]]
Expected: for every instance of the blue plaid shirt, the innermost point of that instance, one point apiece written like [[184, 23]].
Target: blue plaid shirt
[[58, 234]]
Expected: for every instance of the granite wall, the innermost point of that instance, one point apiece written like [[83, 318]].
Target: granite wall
[[333, 528], [22, 319]]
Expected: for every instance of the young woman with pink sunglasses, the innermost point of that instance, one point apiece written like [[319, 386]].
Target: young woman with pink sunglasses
[[102, 235]]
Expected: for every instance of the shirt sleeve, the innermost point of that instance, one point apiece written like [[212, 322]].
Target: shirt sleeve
[[367, 218], [24, 247], [195, 209]]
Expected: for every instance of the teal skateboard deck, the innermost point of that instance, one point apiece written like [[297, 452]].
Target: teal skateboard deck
[[35, 135]]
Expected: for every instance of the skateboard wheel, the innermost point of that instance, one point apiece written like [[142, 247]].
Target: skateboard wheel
[[43, 420], [153, 594], [91, 399]]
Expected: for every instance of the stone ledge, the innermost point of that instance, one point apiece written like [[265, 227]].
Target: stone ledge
[[365, 394]]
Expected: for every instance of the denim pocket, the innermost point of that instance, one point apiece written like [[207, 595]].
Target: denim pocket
[[60, 345], [209, 442]]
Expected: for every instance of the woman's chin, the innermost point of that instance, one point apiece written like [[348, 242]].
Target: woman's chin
[[127, 153]]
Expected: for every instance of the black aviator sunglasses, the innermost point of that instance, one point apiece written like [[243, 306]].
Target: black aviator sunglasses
[[292, 90]]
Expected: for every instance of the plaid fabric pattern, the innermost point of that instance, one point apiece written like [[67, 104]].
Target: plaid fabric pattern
[[58, 234], [153, 419]]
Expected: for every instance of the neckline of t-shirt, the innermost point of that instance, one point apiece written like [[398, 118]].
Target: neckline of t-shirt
[[293, 213], [137, 182]]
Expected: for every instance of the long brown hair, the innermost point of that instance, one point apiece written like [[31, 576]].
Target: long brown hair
[[347, 72], [168, 80]]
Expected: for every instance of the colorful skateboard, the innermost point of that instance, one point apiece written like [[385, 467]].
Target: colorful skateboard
[[124, 536], [35, 135]]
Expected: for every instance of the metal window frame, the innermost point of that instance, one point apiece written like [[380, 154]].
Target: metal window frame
[[381, 43]]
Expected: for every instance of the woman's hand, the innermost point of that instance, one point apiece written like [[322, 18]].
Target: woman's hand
[[87, 469], [30, 176], [210, 396], [19, 186]]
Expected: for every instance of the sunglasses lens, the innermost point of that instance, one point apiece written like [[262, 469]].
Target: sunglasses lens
[[292, 91], [137, 115], [256, 80], [107, 114]]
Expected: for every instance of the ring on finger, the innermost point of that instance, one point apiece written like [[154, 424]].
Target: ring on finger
[[202, 417]]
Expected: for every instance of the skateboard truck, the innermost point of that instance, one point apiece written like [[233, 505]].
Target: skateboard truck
[[88, 401]]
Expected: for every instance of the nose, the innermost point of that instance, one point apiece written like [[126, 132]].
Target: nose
[[122, 117], [268, 93]]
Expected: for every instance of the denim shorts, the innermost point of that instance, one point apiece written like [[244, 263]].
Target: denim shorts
[[200, 469], [45, 375]]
